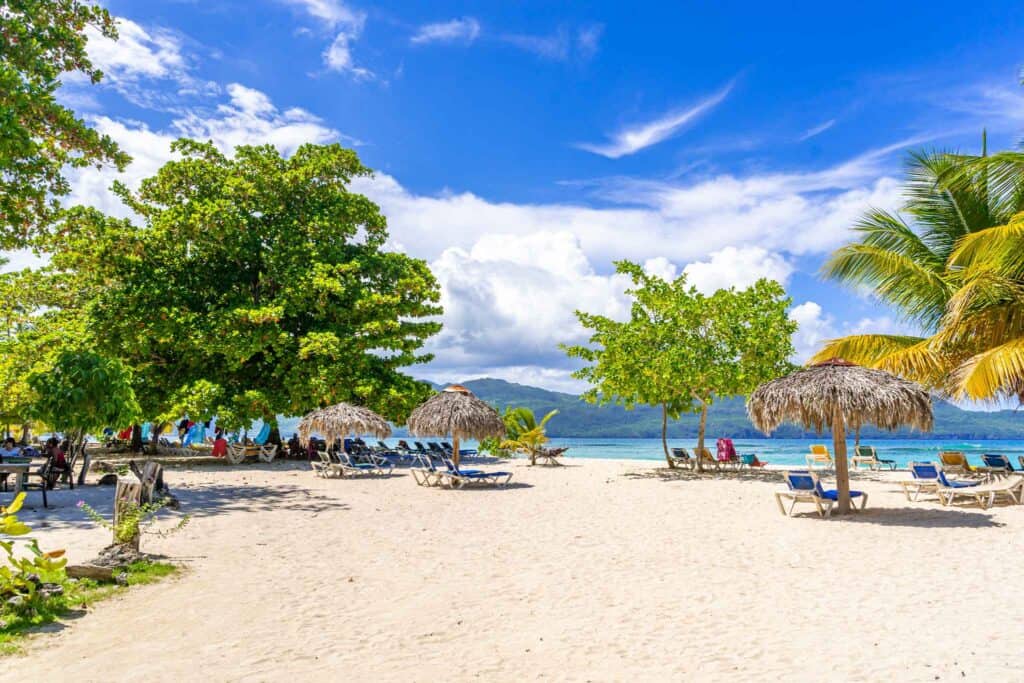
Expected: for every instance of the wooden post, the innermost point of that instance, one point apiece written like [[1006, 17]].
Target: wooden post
[[128, 494], [842, 464], [455, 450]]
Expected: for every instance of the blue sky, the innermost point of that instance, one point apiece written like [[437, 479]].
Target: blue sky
[[521, 147]]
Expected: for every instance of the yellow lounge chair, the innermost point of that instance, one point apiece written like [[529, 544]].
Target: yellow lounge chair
[[955, 462], [819, 455], [706, 459]]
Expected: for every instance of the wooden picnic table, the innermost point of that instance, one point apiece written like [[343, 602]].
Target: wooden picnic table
[[19, 470]]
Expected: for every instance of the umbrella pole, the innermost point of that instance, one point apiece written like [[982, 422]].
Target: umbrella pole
[[455, 450], [842, 464]]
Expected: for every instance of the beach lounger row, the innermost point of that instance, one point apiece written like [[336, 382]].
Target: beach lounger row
[[804, 486], [452, 476], [929, 477]]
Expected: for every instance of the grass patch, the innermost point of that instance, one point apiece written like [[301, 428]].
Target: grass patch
[[78, 595]]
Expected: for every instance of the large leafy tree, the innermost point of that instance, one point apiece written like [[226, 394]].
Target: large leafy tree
[[950, 266], [83, 392], [254, 285], [681, 349], [39, 41]]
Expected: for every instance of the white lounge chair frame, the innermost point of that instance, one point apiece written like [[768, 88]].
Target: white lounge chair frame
[[983, 494]]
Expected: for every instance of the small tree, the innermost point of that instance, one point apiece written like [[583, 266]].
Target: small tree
[[524, 433], [681, 349], [83, 392]]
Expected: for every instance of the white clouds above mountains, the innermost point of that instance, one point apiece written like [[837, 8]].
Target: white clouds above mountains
[[466, 29], [632, 139]]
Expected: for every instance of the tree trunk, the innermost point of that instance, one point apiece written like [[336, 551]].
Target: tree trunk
[[664, 435], [455, 450], [700, 435], [154, 437], [127, 495], [26, 433], [136, 445], [78, 444], [842, 465]]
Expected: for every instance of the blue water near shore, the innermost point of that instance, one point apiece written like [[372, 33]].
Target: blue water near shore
[[793, 451]]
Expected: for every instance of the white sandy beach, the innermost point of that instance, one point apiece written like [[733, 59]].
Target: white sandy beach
[[600, 570]]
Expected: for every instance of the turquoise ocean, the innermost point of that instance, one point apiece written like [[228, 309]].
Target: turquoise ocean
[[792, 451]]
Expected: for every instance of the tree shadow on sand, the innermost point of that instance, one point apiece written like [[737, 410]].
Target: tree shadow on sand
[[669, 474], [931, 518], [204, 500]]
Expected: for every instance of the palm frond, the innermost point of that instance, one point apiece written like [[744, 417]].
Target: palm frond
[[998, 371]]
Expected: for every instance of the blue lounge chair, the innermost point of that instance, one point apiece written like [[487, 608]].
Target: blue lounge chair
[[462, 451], [264, 434], [997, 464], [925, 478], [805, 487], [984, 494], [457, 478], [193, 435]]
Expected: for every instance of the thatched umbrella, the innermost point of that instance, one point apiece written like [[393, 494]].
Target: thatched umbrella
[[337, 422], [458, 412], [840, 394]]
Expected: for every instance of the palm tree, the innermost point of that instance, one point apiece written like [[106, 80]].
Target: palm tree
[[955, 271], [523, 433]]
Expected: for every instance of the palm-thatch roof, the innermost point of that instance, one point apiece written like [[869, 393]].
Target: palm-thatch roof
[[456, 411], [337, 422], [810, 396]]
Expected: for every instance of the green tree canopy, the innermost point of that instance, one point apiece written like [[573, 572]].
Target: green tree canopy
[[39, 41], [681, 349], [254, 285], [83, 392]]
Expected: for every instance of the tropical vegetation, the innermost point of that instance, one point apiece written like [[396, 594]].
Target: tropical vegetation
[[683, 350], [523, 433], [952, 264], [42, 41]]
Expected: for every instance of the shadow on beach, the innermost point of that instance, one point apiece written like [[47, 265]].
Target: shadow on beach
[[203, 500], [931, 518], [668, 474]]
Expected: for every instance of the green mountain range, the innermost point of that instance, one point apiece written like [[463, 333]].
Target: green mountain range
[[728, 417]]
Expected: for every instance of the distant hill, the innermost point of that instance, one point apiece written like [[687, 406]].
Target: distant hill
[[577, 418]]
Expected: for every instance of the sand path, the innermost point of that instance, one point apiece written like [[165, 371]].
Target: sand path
[[597, 571]]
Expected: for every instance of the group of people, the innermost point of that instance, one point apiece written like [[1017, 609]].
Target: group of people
[[54, 451]]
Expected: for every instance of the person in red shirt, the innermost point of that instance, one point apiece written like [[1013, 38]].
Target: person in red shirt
[[220, 444]]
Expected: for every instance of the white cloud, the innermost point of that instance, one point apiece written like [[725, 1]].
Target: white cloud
[[132, 64], [792, 213], [509, 300], [331, 13], [817, 327], [466, 29], [817, 130], [737, 267], [136, 53], [338, 55], [247, 118], [632, 139], [814, 328], [563, 45], [346, 24]]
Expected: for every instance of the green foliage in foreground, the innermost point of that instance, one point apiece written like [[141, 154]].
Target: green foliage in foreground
[[78, 595], [681, 349]]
